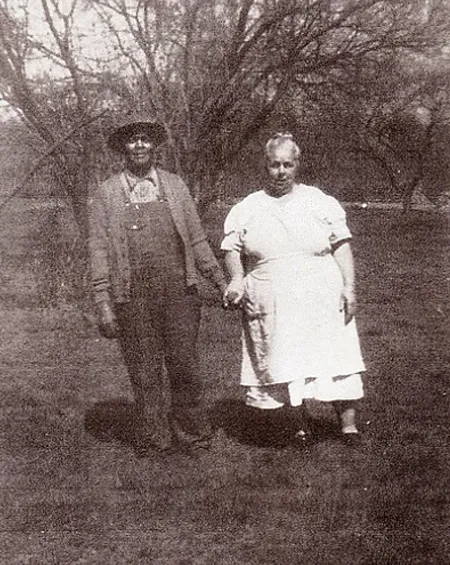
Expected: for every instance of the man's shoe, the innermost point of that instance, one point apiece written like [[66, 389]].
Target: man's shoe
[[148, 444], [149, 450], [192, 429]]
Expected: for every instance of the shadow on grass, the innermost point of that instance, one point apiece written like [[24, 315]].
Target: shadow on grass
[[265, 428], [112, 420], [115, 420]]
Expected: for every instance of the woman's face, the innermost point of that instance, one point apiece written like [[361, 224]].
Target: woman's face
[[282, 167]]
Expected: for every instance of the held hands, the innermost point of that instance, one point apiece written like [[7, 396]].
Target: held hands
[[234, 293], [348, 303], [107, 321]]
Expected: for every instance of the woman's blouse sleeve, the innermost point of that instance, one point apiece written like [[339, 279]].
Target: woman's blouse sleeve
[[233, 228], [335, 217]]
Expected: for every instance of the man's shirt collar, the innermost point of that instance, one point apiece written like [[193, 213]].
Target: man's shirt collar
[[133, 180]]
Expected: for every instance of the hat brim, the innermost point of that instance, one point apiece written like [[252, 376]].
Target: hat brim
[[117, 139]]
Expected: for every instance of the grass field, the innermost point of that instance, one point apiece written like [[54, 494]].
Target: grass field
[[73, 492]]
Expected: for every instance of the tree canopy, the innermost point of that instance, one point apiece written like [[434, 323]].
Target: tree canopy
[[215, 73]]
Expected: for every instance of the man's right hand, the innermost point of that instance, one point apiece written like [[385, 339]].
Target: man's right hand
[[107, 321]]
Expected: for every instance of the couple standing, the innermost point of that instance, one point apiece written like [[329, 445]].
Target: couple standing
[[288, 256]]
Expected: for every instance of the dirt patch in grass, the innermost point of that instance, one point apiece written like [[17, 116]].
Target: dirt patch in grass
[[73, 492]]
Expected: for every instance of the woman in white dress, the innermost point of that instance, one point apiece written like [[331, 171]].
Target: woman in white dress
[[287, 251]]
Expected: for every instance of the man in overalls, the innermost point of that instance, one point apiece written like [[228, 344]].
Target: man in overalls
[[146, 244]]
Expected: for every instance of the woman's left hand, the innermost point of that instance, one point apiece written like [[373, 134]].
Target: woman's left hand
[[348, 303]]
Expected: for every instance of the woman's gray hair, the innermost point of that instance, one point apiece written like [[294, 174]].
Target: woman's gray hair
[[280, 139]]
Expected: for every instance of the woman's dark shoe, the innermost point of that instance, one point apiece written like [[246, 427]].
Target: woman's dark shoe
[[303, 439], [352, 439]]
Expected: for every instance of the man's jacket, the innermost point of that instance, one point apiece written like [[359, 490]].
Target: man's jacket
[[108, 248]]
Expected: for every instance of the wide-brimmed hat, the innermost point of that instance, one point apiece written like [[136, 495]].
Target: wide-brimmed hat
[[136, 123]]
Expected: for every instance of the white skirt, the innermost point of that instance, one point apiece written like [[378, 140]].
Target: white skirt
[[294, 335], [348, 387]]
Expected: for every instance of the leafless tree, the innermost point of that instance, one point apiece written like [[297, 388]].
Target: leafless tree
[[212, 71]]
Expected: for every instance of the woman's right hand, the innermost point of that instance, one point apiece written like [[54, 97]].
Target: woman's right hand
[[234, 293], [107, 321]]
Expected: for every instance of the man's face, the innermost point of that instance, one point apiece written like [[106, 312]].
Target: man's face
[[139, 150], [282, 168]]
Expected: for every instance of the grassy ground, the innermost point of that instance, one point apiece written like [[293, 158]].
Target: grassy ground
[[73, 492]]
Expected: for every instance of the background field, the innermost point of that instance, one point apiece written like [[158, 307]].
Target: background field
[[73, 492]]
